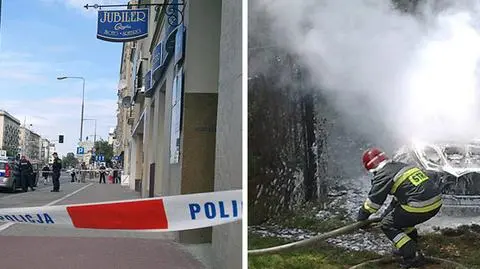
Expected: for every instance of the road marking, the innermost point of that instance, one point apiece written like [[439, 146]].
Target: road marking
[[23, 193], [8, 224], [68, 195]]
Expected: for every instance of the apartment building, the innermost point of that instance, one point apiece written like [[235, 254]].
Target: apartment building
[[45, 150], [30, 143], [179, 115], [9, 133], [51, 149]]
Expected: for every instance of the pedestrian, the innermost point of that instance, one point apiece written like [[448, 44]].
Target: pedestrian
[[26, 174], [115, 175], [72, 174], [83, 173], [102, 174], [17, 172], [45, 172], [416, 199], [56, 167]]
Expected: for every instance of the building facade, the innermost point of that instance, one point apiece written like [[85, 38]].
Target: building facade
[[45, 150], [51, 149], [30, 143], [111, 136], [179, 116], [9, 133]]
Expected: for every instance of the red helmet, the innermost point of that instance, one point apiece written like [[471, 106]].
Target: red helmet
[[372, 158]]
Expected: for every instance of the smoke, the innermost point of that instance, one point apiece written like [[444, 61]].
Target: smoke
[[391, 74]]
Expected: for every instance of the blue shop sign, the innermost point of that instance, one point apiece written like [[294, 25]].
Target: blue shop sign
[[179, 44], [122, 25], [148, 81], [162, 54], [157, 57]]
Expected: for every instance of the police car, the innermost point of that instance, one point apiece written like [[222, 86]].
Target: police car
[[7, 180], [6, 175]]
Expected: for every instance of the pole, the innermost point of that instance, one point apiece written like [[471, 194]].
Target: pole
[[83, 107], [24, 134], [95, 134]]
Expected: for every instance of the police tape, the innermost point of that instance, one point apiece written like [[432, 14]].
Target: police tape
[[85, 170], [170, 213]]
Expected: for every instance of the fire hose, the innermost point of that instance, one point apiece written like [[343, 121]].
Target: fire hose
[[343, 230]]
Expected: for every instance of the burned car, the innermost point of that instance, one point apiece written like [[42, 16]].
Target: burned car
[[455, 166]]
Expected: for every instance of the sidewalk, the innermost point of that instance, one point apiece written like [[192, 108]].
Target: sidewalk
[[84, 248]]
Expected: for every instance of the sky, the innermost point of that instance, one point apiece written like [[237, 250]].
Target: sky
[[41, 40]]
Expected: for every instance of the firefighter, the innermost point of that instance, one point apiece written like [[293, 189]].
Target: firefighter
[[416, 199], [26, 174]]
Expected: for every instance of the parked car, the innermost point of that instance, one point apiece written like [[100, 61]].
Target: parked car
[[7, 181], [6, 175]]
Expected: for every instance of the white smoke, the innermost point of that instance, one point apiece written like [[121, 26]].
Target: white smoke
[[389, 72]]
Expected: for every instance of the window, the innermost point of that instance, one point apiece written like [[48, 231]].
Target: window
[[176, 120]]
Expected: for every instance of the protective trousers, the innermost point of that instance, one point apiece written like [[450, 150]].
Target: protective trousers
[[399, 227]]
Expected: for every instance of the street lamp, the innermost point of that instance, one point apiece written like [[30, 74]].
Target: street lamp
[[83, 103]]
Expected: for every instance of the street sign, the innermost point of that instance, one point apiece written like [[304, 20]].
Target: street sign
[[80, 150], [100, 158], [3, 154]]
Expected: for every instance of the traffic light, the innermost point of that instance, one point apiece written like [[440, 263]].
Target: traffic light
[[60, 139]]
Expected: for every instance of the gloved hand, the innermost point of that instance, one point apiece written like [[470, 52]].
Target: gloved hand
[[362, 215]]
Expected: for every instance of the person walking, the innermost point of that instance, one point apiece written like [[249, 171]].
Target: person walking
[[45, 172], [56, 167], [102, 174]]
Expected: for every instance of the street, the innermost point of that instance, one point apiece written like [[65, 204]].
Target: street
[[27, 246]]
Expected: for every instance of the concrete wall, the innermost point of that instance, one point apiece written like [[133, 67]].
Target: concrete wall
[[227, 239], [202, 46]]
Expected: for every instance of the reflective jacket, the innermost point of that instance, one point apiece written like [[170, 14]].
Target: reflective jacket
[[412, 189]]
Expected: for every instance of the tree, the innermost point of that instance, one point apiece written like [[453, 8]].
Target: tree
[[103, 148], [69, 160]]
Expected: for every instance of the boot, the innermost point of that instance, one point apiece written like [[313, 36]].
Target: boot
[[413, 262], [396, 253]]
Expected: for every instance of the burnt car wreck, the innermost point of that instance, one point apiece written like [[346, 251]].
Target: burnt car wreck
[[455, 166]]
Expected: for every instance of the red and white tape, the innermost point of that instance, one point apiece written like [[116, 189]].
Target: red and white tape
[[170, 213]]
